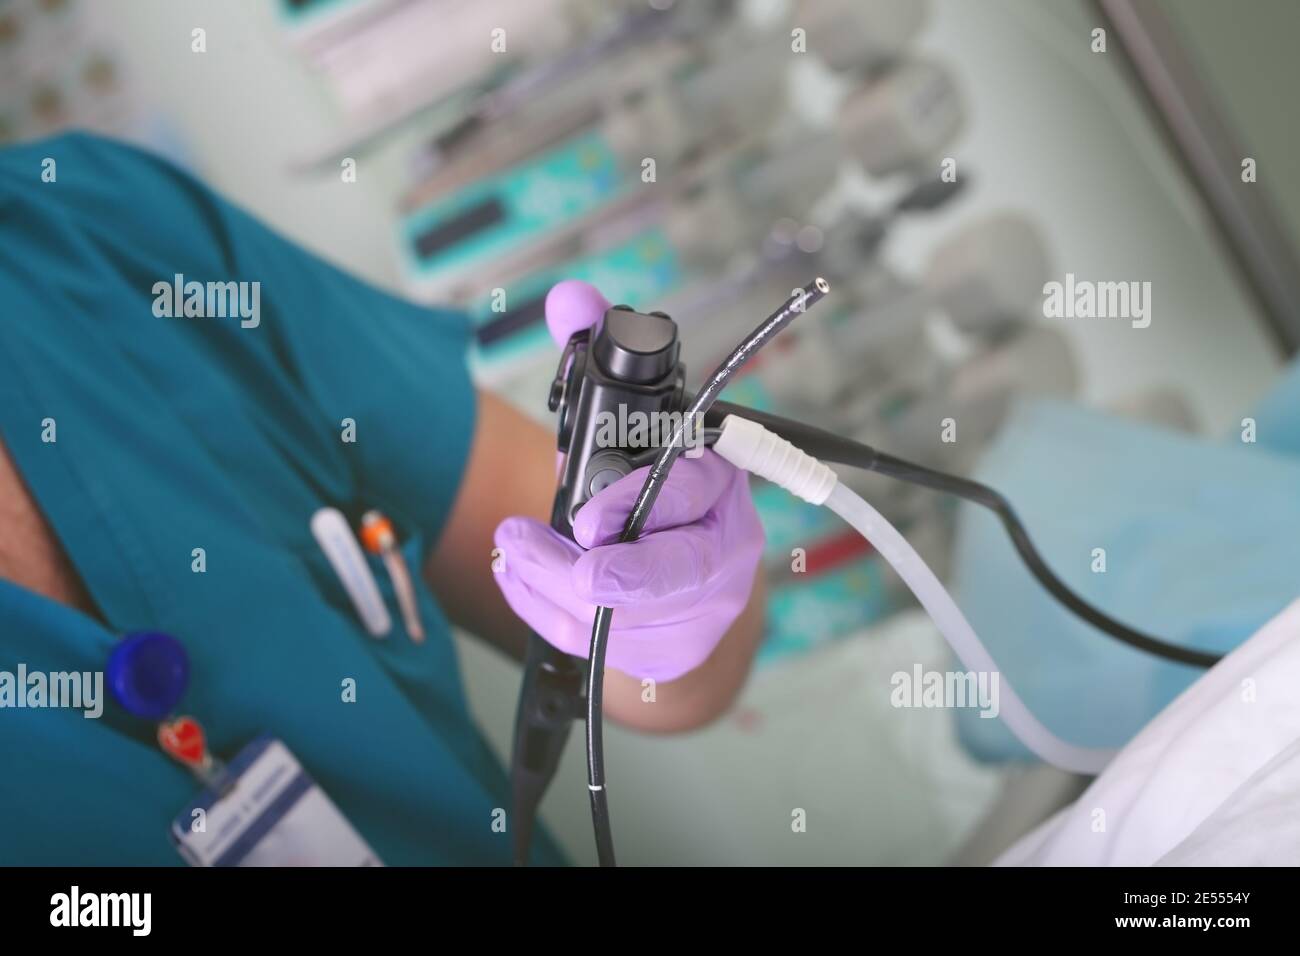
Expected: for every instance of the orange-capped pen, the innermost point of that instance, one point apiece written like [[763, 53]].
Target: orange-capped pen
[[378, 537]]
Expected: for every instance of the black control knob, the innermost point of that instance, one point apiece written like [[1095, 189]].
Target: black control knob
[[635, 347]]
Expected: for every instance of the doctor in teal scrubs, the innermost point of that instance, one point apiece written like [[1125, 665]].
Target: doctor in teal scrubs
[[131, 439]]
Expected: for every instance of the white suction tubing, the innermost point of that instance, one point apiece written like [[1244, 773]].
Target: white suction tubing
[[750, 446]]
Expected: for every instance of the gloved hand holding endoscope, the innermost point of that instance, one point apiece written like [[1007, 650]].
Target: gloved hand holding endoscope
[[678, 588]]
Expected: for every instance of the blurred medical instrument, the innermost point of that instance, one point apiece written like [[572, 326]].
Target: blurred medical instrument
[[375, 56], [335, 537], [569, 80], [671, 242], [379, 538], [893, 362], [961, 338], [882, 321], [711, 87], [478, 224]]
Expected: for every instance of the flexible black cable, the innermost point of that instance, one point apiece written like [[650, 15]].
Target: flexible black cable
[[793, 307], [993, 500], [832, 448]]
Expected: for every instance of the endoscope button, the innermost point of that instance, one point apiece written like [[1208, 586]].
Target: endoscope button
[[603, 479], [605, 468]]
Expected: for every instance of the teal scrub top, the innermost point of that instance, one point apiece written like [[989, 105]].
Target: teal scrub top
[[173, 434]]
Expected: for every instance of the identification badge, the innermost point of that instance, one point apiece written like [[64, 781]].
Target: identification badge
[[266, 811]]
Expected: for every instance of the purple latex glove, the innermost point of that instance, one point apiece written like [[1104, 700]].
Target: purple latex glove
[[675, 590]]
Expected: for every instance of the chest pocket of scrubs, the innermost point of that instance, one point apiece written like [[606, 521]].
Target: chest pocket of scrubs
[[419, 667]]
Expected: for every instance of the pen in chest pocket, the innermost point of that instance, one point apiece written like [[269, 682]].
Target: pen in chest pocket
[[378, 537], [336, 539]]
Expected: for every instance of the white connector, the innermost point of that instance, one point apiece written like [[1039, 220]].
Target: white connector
[[751, 447]]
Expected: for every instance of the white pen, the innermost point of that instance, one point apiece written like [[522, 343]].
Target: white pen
[[338, 542]]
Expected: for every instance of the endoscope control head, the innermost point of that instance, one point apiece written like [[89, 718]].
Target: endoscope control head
[[626, 367]]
